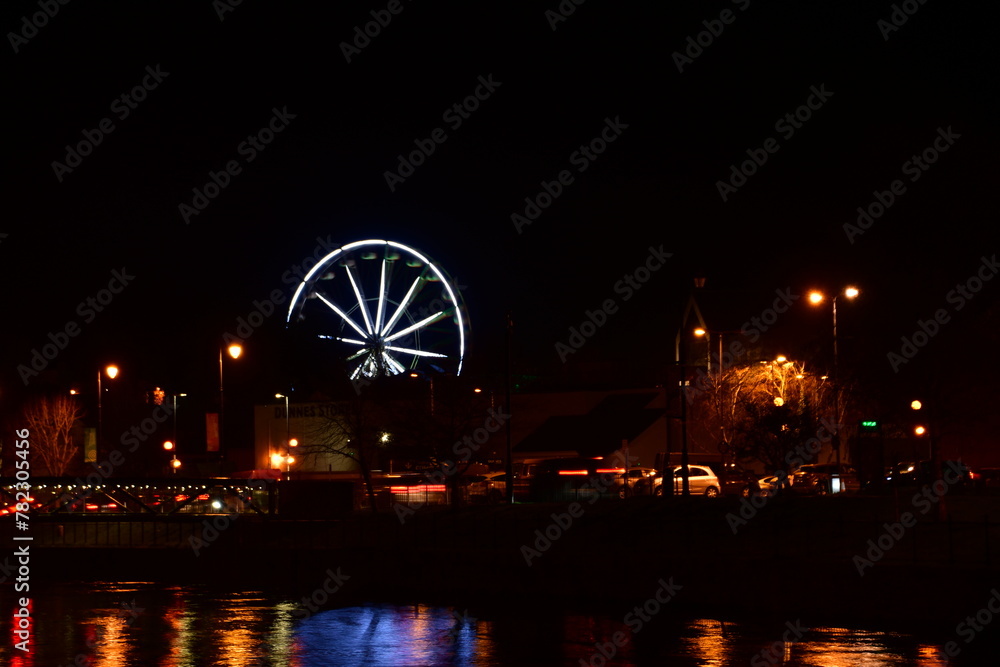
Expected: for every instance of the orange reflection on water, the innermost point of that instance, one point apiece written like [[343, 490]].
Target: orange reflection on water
[[179, 636], [710, 642], [108, 639], [841, 647], [237, 634]]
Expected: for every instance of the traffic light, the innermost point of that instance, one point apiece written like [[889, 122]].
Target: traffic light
[[869, 426]]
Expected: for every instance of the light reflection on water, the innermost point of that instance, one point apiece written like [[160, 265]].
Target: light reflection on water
[[124, 625]]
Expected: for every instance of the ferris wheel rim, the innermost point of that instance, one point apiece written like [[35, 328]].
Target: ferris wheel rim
[[297, 301]]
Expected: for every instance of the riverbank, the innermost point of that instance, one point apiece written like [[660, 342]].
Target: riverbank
[[863, 560]]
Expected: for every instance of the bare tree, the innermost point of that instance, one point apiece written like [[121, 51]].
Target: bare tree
[[761, 412], [51, 420], [353, 428]]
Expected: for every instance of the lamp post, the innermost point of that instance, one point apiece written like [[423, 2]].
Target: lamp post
[[707, 333], [286, 414], [171, 445], [815, 298], [234, 350], [289, 441], [112, 372]]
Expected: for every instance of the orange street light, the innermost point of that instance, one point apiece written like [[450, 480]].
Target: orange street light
[[112, 372], [234, 350], [816, 297]]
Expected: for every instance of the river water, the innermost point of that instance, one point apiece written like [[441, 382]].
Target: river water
[[148, 624]]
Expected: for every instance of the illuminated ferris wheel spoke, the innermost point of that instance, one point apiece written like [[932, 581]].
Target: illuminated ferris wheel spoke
[[380, 312], [357, 354], [342, 314], [361, 301], [351, 341], [403, 305], [416, 353], [410, 287], [395, 365], [412, 327]]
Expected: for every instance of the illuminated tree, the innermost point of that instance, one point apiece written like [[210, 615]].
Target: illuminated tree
[[50, 421], [764, 411]]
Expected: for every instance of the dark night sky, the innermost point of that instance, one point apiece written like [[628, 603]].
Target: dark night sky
[[656, 184]]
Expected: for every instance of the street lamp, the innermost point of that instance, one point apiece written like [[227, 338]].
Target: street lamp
[[286, 414], [169, 446], [707, 333], [234, 350], [289, 441], [430, 382], [816, 298], [112, 372]]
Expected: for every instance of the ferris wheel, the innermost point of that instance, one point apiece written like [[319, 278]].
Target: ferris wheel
[[385, 308]]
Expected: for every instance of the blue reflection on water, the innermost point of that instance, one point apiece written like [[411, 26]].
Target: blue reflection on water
[[389, 635]]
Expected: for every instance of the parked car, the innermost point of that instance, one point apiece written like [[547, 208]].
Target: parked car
[[641, 481], [769, 486], [701, 481], [489, 488], [905, 473], [921, 472], [817, 479], [735, 482]]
